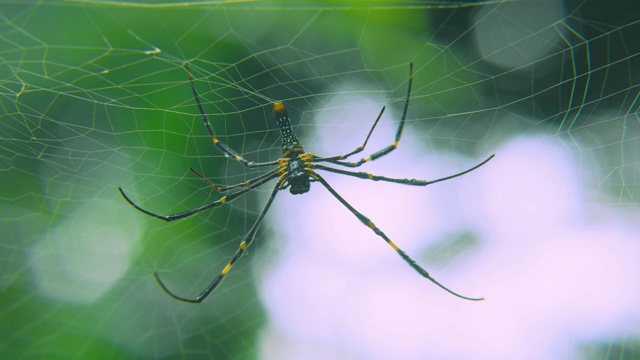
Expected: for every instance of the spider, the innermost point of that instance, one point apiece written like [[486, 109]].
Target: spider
[[296, 170]]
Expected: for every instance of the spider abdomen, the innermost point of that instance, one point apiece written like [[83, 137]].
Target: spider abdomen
[[281, 114]]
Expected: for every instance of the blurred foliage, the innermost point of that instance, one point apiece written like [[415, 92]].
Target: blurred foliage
[[94, 96]]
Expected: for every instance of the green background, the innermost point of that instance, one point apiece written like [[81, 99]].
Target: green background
[[94, 96]]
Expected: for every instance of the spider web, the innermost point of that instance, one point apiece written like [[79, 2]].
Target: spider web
[[94, 96]]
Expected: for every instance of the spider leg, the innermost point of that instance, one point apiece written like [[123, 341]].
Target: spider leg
[[386, 150], [414, 182], [365, 220], [357, 150], [226, 150], [227, 188], [243, 246], [225, 199]]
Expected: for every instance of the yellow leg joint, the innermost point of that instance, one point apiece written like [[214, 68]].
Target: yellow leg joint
[[394, 246], [226, 269]]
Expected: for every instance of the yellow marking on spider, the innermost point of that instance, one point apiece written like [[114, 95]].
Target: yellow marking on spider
[[370, 176], [367, 159], [226, 269], [238, 158], [395, 144], [223, 200], [371, 225], [215, 140], [312, 173], [394, 246], [243, 245]]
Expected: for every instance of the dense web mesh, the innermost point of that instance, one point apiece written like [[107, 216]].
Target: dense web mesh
[[94, 95]]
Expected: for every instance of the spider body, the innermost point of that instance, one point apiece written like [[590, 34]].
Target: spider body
[[297, 173], [297, 170], [296, 165]]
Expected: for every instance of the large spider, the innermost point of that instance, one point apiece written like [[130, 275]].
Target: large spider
[[296, 170]]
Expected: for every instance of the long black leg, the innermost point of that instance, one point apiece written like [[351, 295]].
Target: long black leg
[[226, 150], [225, 199], [414, 182], [357, 150], [388, 149], [365, 220], [243, 246], [224, 189]]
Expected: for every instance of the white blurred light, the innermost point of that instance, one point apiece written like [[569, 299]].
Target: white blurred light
[[555, 272], [83, 257], [517, 34]]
